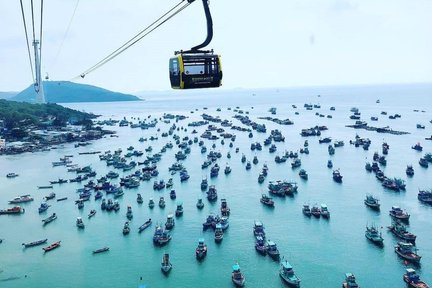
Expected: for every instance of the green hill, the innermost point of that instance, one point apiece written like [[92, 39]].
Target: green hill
[[69, 92]]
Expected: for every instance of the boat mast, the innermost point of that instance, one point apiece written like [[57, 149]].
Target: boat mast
[[38, 85]]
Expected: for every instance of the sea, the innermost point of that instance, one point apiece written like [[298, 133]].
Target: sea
[[320, 251]]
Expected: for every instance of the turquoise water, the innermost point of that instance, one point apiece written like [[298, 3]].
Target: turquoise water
[[320, 251]]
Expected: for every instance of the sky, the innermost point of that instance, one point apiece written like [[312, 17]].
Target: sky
[[275, 43]]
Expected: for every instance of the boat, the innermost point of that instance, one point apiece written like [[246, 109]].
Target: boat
[[161, 237], [80, 223], [212, 193], [145, 225], [201, 250], [62, 199], [166, 265], [49, 219], [225, 210], [325, 140], [425, 196], [80, 203], [372, 202], [397, 213], [92, 213], [224, 222], [258, 229], [408, 252], [374, 235], [173, 195], [151, 203], [237, 276], [126, 228], [52, 246], [272, 249], [267, 200], [43, 207], [400, 230], [101, 250], [413, 279], [303, 174], [316, 211], [306, 210], [248, 165], [218, 233], [350, 281], [261, 178], [179, 209], [200, 203], [337, 177], [162, 202], [287, 274], [139, 199], [329, 164], [296, 163], [325, 213], [21, 199], [409, 170], [417, 147], [170, 222], [260, 245], [11, 175], [129, 214], [34, 243], [204, 184], [227, 169], [423, 162]]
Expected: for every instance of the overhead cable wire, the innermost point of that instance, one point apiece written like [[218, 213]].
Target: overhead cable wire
[[33, 25], [66, 34], [40, 33], [136, 38], [27, 41]]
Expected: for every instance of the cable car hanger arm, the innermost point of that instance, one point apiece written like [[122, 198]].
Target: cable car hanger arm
[[207, 41]]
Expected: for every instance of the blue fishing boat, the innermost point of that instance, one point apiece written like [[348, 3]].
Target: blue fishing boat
[[260, 245], [329, 164], [258, 229], [337, 177], [286, 272], [413, 279], [272, 249], [350, 281], [173, 194], [237, 276], [43, 207]]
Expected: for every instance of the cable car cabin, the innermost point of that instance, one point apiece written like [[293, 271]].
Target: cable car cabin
[[196, 70]]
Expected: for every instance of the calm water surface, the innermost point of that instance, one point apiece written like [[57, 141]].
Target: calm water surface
[[321, 251]]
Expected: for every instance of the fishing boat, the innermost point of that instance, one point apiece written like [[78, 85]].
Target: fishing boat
[[325, 213], [227, 169], [296, 163], [126, 228], [329, 164], [413, 279], [272, 249], [162, 202], [331, 150], [49, 219], [201, 250], [98, 195], [409, 170], [166, 265], [258, 229], [261, 178], [248, 165], [425, 196], [43, 207], [145, 225], [129, 214], [400, 230], [316, 211], [139, 199], [374, 235], [92, 213], [337, 177], [209, 222], [80, 203], [407, 251], [417, 147], [101, 250], [286, 272], [11, 175], [62, 199], [151, 203], [179, 210], [80, 223], [200, 203], [212, 193], [306, 210], [21, 199], [173, 195], [204, 184], [397, 213], [224, 222], [34, 243], [52, 246], [170, 223], [368, 167], [267, 200], [423, 162], [350, 281], [303, 174], [372, 202], [225, 210], [218, 233], [260, 246], [237, 276]]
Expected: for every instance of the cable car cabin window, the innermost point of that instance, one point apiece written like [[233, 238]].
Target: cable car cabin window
[[174, 71]]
